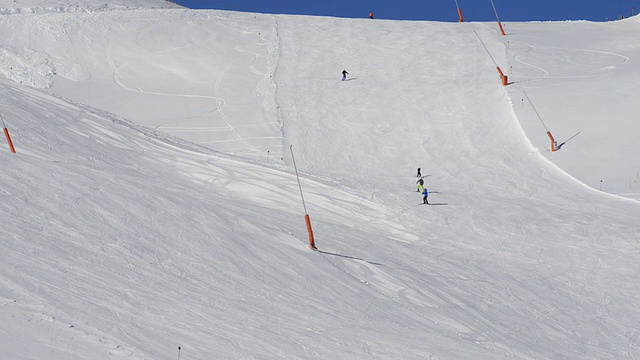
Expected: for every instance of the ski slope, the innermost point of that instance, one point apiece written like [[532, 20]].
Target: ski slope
[[603, 68], [61, 6], [152, 209]]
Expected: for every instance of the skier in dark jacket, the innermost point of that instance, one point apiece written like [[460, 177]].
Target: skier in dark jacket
[[344, 75], [420, 183]]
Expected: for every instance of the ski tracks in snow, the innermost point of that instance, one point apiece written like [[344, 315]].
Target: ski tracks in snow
[[248, 144], [582, 61]]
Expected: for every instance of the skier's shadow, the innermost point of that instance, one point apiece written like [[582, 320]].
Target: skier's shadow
[[349, 79], [350, 257]]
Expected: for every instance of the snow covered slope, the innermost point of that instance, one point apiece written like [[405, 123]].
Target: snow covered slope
[[40, 6], [152, 203], [581, 77]]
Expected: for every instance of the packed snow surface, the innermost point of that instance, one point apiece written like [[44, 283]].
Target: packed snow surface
[[152, 210], [41, 6]]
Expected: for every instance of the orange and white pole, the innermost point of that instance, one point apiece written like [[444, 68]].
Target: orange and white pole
[[312, 243], [498, 18], [503, 77], [461, 19], [554, 144]]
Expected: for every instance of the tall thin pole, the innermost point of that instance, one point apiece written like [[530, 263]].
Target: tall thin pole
[[459, 12], [298, 177], [495, 11], [503, 77], [554, 143], [312, 243], [485, 48], [536, 111], [497, 18]]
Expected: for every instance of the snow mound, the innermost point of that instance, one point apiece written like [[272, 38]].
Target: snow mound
[[27, 67]]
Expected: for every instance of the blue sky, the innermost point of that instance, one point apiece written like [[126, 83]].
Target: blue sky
[[439, 10]]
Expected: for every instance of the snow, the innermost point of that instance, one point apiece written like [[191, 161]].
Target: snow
[[65, 6], [152, 202]]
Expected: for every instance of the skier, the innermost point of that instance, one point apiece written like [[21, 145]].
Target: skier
[[344, 75], [419, 174], [420, 183], [370, 15], [425, 195]]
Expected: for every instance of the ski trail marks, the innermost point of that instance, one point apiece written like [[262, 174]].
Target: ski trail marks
[[235, 135], [220, 106], [550, 62]]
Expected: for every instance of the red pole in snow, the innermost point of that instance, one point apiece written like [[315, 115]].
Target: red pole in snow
[[6, 134], [503, 77], [459, 12], [553, 142], [497, 18], [312, 243]]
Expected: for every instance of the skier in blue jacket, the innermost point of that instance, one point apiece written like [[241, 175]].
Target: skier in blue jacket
[[425, 195]]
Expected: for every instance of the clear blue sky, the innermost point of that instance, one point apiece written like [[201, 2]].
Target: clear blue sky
[[438, 10]]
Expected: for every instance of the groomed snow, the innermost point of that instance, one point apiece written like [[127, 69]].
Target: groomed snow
[[152, 202], [46, 6]]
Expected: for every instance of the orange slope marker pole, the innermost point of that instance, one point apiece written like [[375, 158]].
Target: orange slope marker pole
[[6, 134], [503, 77], [501, 28], [554, 143], [461, 19], [312, 243], [498, 18]]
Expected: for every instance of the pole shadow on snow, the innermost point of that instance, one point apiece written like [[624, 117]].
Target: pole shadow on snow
[[350, 257]]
